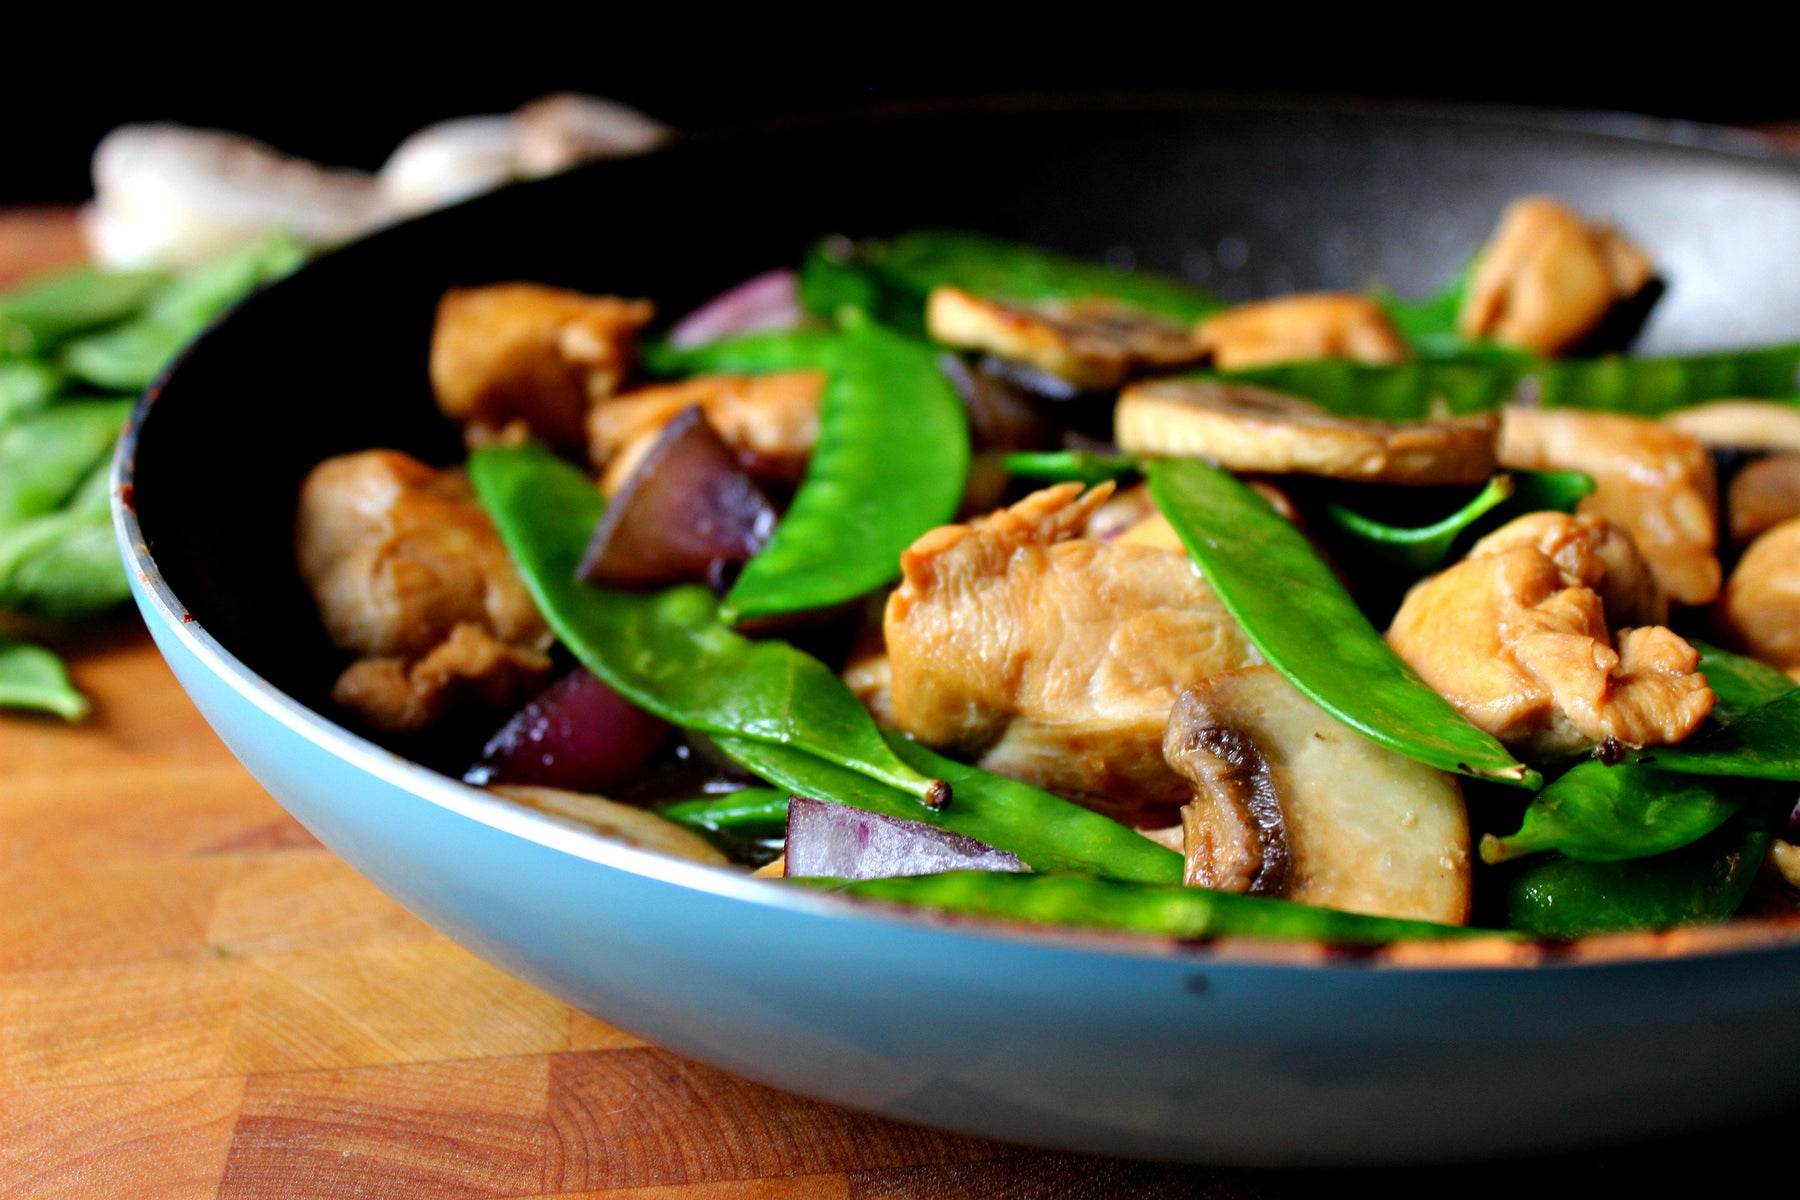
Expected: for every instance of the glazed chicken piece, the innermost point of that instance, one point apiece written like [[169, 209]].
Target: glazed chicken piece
[[1093, 344], [1051, 658], [1760, 610], [520, 355], [410, 576], [1516, 637], [1294, 328], [1655, 481], [771, 422], [1546, 279]]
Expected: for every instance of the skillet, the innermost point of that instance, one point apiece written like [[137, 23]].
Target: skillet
[[1240, 1054]]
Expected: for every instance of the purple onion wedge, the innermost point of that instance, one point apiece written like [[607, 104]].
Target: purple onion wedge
[[686, 513], [850, 843], [578, 735], [768, 303]]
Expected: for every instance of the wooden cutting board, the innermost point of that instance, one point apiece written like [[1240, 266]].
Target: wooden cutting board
[[199, 1000]]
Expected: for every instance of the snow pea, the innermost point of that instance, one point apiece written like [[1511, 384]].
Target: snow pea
[[1411, 391], [31, 677], [1047, 832], [1740, 683], [1597, 813], [749, 812], [1064, 466], [1424, 548], [1297, 613], [37, 315], [45, 457], [65, 564], [1763, 743], [890, 464], [1557, 897], [26, 386], [129, 356], [667, 651], [1162, 910], [898, 274]]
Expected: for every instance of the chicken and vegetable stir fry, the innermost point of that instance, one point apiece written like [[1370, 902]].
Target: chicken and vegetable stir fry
[[953, 573]]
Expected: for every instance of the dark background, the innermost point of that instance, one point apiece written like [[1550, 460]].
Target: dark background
[[347, 96]]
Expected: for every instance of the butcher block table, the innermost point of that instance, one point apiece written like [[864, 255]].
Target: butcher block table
[[197, 999]]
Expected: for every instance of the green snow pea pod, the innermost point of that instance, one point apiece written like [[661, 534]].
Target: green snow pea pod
[[1763, 743], [1597, 813], [890, 464], [831, 281], [749, 812], [1558, 897], [1066, 466], [1740, 683], [130, 356], [667, 651], [65, 564], [31, 677], [1046, 832], [1424, 548], [37, 315], [1161, 910], [1294, 610], [26, 386], [44, 458]]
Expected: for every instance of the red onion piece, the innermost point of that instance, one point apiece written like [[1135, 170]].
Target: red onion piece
[[578, 735], [686, 512], [850, 843], [1001, 416], [768, 303]]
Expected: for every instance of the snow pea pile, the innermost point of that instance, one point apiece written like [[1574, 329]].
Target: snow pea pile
[[75, 349], [1620, 840]]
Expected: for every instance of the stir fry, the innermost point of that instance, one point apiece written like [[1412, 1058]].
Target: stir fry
[[954, 573]]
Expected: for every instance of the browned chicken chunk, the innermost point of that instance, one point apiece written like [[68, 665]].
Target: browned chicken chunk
[[771, 422], [409, 575], [1293, 328], [520, 354], [1051, 658], [1516, 637], [1760, 610], [1547, 278], [1762, 496], [1655, 481], [1095, 344]]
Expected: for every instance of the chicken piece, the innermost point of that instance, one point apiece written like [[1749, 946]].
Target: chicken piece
[[409, 573], [1784, 857], [469, 669], [771, 422], [1295, 328], [1760, 610], [1740, 424], [1051, 658], [521, 353], [1595, 551], [1516, 637], [1093, 344], [1547, 278], [1244, 428], [1762, 496], [1657, 482], [1289, 801]]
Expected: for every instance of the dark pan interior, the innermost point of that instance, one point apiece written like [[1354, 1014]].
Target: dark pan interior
[[1243, 200]]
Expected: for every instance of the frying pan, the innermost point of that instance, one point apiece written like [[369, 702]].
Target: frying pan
[[1235, 1054]]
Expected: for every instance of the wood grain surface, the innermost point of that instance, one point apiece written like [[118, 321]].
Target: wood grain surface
[[199, 1000]]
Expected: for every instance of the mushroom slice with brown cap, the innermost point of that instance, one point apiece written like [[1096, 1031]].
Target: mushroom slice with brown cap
[[1290, 802], [1245, 428], [1762, 496], [1740, 424], [1294, 328], [1094, 344]]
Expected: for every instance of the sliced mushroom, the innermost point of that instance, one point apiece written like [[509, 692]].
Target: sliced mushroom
[[1246, 428], [1740, 424], [1094, 344], [771, 422], [1547, 279], [616, 822], [1294, 328], [1784, 857], [1290, 802], [1762, 496], [1760, 608], [1655, 481]]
